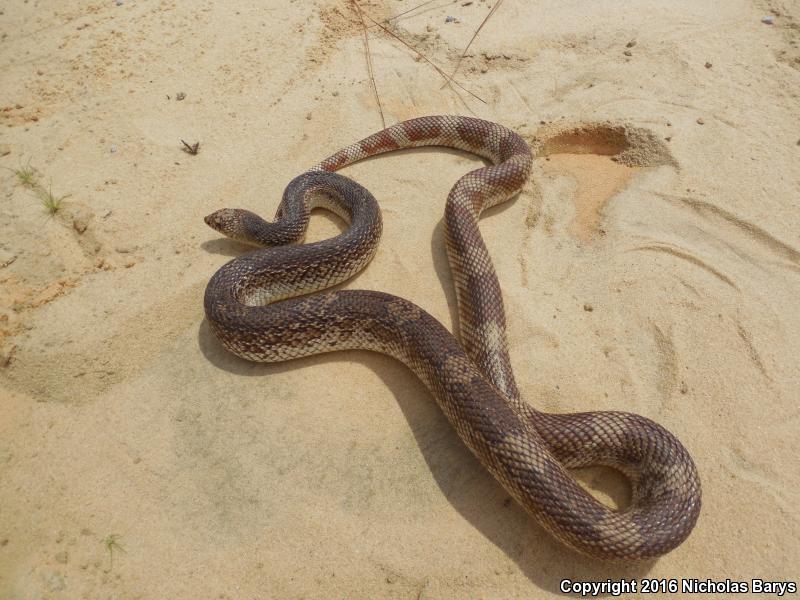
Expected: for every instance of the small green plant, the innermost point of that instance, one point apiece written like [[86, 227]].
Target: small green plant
[[26, 175], [51, 202], [111, 542]]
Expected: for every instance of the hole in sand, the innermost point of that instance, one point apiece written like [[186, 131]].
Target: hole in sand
[[600, 159], [602, 140], [607, 485]]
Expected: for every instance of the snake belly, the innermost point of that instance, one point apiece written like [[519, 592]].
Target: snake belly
[[252, 305]]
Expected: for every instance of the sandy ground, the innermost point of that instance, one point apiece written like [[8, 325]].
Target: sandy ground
[[652, 265]]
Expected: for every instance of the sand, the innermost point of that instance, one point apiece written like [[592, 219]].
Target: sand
[[652, 264]]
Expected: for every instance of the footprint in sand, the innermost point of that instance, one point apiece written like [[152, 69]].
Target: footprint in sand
[[601, 159]]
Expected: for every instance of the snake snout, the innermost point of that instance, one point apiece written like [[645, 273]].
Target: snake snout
[[211, 221]]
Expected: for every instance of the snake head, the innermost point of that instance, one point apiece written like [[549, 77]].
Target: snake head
[[247, 227], [227, 221]]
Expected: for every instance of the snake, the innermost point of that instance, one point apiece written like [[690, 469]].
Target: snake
[[274, 304]]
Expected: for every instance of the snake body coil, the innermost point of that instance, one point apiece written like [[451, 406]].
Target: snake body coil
[[252, 307]]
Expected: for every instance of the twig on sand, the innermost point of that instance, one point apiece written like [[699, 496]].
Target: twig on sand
[[369, 61], [474, 35], [192, 149]]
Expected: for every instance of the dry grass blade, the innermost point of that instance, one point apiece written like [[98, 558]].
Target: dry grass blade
[[369, 62], [405, 12], [474, 35], [447, 77]]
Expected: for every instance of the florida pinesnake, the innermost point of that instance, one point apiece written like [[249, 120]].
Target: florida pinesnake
[[252, 306]]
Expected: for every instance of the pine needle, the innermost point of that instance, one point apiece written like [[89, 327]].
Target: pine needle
[[368, 55], [447, 77], [474, 35], [405, 12]]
